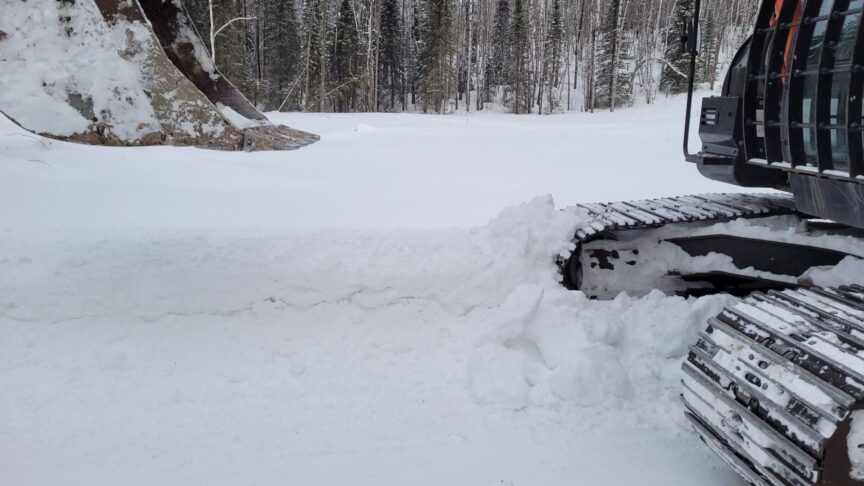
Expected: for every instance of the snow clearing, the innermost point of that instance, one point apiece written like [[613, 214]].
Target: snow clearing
[[343, 313], [177, 316], [466, 299]]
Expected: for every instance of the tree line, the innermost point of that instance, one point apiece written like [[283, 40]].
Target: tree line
[[531, 56]]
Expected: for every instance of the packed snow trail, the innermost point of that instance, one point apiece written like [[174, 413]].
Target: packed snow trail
[[186, 317]]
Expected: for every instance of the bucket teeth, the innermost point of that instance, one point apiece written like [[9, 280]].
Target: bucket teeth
[[275, 137]]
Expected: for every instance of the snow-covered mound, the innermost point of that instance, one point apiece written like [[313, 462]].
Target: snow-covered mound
[[305, 342], [177, 316]]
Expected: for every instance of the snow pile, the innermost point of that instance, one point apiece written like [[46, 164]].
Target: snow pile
[[179, 316], [530, 342], [551, 347]]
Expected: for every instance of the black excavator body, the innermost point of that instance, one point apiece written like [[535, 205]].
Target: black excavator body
[[790, 113], [775, 383]]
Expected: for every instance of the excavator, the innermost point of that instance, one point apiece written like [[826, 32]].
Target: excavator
[[775, 382]]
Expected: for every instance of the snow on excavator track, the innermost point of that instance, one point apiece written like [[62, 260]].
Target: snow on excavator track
[[775, 383], [112, 72], [700, 244]]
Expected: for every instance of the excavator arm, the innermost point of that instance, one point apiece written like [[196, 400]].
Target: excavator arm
[[124, 73]]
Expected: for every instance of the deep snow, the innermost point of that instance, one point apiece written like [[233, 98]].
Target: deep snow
[[358, 312], [368, 171]]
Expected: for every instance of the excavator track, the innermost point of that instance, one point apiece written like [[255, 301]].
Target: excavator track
[[621, 238], [652, 213], [773, 384]]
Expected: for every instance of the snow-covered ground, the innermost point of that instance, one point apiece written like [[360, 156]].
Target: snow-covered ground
[[363, 311]]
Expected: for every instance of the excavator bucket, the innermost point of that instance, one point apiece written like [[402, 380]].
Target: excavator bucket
[[124, 73]]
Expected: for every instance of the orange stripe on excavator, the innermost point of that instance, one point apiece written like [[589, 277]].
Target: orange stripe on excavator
[[778, 5]]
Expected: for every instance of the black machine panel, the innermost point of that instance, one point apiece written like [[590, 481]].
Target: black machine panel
[[792, 108]]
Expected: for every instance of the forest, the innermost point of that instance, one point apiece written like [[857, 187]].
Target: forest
[[524, 56]]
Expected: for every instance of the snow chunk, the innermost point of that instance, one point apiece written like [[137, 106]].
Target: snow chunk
[[591, 376], [854, 443], [364, 128], [498, 378], [849, 270]]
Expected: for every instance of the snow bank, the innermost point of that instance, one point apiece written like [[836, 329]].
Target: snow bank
[[186, 317], [529, 342]]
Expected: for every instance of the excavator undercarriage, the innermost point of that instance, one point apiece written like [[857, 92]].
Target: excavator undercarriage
[[775, 383], [703, 244]]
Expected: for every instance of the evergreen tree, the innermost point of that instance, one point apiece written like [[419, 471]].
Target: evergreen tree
[[673, 78], [496, 74], [315, 53], [390, 51], [412, 55], [519, 69], [436, 49], [612, 77], [346, 59], [281, 52], [436, 56], [707, 60], [552, 48]]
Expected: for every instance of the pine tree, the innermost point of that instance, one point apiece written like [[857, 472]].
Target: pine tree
[[496, 74], [519, 69], [673, 78], [707, 60], [612, 88], [315, 53], [346, 59], [390, 51], [414, 46], [436, 56], [440, 50], [552, 48], [281, 53]]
